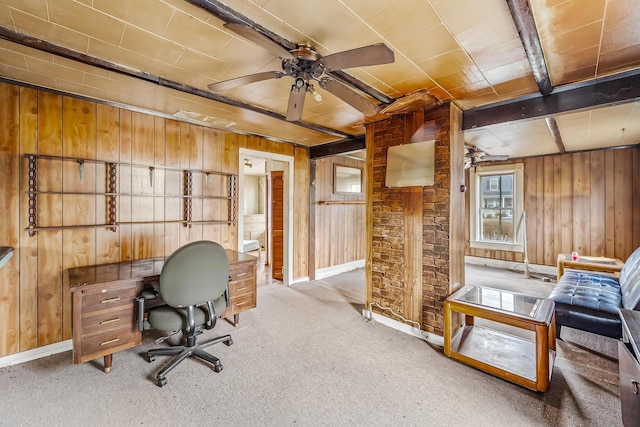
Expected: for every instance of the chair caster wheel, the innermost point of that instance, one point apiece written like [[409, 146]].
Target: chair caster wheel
[[161, 382], [151, 358], [218, 367], [228, 342]]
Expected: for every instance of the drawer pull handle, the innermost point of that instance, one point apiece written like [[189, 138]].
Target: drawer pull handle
[[104, 322], [241, 289], [241, 274], [240, 303], [105, 301], [110, 341], [635, 386]]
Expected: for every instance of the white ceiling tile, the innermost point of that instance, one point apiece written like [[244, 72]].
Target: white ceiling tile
[[467, 51]]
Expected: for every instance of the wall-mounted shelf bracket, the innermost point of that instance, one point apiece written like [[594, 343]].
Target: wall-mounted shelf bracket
[[112, 194]]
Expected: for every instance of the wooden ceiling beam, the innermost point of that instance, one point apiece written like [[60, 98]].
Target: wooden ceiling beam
[[64, 52], [228, 15], [526, 26], [552, 124], [338, 147], [617, 89]]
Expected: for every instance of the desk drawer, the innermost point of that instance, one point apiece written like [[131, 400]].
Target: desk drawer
[[241, 303], [239, 288], [108, 342], [108, 298], [123, 317], [242, 272]]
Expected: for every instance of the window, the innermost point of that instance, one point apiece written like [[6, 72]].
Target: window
[[496, 207]]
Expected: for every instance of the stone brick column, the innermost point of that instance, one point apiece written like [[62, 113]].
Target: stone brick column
[[409, 252]]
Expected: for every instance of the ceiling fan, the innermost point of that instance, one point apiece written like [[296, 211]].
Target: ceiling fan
[[305, 65], [473, 156]]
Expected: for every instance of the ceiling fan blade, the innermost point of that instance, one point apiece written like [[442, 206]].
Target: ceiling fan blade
[[489, 157], [239, 81], [296, 101], [360, 57], [259, 39], [349, 96]]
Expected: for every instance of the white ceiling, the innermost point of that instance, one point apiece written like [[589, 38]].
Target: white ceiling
[[464, 51]]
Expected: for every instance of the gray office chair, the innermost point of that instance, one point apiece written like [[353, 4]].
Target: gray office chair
[[194, 283]]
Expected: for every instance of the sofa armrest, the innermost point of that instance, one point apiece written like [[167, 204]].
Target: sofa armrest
[[588, 263]]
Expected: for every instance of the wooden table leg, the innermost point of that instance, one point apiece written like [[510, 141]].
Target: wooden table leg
[[447, 329], [552, 333], [542, 358], [560, 266], [236, 320], [108, 360], [469, 320]]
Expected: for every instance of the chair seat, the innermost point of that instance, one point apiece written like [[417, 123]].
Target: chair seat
[[173, 319], [589, 291], [168, 318], [588, 301]]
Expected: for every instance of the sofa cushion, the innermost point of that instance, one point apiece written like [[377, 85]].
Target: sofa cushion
[[630, 281], [592, 291]]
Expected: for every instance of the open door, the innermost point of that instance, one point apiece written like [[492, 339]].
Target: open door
[[276, 227], [278, 224]]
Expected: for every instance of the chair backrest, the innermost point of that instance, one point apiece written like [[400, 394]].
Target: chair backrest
[[630, 281], [194, 274]]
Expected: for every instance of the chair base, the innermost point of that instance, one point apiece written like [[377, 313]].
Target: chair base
[[183, 352]]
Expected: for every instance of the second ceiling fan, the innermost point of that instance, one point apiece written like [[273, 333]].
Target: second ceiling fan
[[306, 65], [473, 157]]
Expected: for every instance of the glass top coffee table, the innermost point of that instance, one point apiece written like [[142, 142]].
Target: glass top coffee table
[[524, 358]]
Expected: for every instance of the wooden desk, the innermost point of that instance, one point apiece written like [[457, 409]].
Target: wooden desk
[[104, 307], [526, 362], [589, 263]]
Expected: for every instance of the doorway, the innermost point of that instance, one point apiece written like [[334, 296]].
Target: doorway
[[256, 212]]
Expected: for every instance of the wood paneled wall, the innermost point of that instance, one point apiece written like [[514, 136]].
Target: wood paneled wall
[[34, 301], [587, 202], [340, 229], [301, 212]]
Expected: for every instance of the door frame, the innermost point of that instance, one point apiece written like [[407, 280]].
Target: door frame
[[288, 206]]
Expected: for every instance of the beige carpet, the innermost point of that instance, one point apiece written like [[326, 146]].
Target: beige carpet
[[307, 357]]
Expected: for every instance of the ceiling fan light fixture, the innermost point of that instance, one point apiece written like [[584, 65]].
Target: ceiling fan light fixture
[[299, 84], [316, 95]]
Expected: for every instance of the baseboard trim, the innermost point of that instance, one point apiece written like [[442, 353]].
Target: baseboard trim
[[36, 353], [511, 265], [403, 327], [323, 273], [299, 280]]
